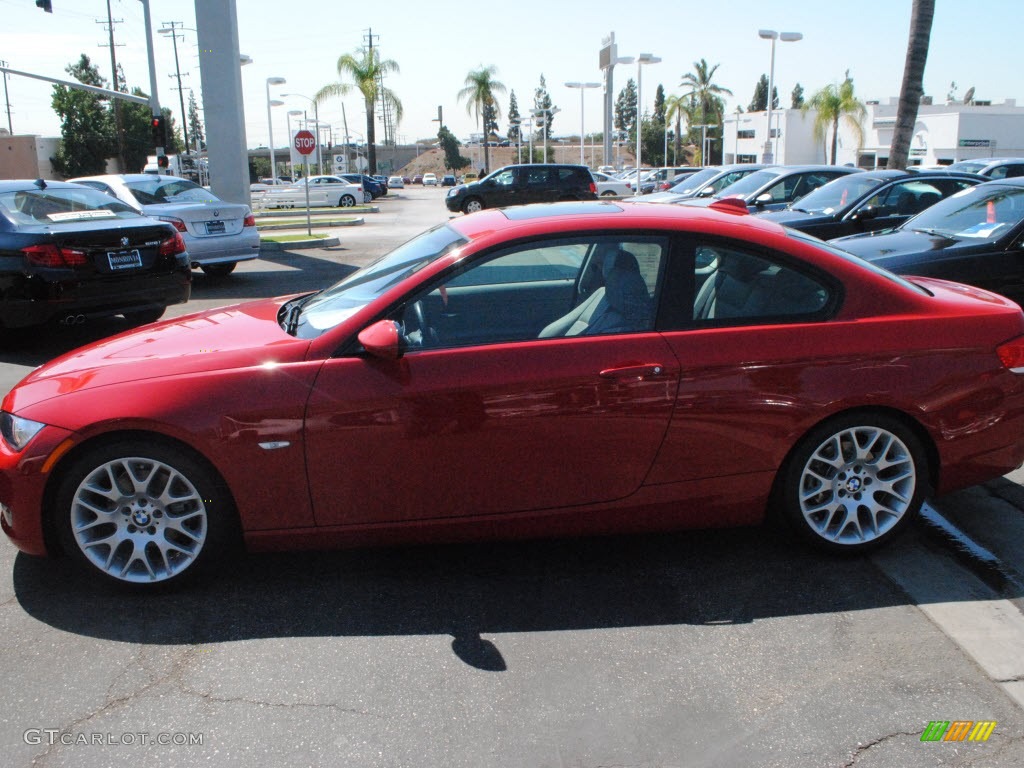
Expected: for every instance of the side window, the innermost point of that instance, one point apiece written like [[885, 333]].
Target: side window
[[573, 287], [537, 177], [1015, 170], [731, 285], [505, 178], [1000, 172], [907, 198]]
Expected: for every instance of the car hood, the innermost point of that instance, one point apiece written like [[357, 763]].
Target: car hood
[[239, 336], [788, 217], [896, 242]]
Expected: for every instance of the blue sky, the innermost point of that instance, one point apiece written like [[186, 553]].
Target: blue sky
[[437, 43]]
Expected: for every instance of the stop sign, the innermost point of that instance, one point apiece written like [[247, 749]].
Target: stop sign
[[305, 142]]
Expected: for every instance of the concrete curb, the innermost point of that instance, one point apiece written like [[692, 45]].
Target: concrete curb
[[281, 213], [355, 222], [322, 242]]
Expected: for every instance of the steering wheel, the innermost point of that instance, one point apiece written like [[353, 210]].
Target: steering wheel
[[423, 335]]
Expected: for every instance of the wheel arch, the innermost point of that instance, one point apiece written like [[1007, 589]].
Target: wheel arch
[[50, 535]]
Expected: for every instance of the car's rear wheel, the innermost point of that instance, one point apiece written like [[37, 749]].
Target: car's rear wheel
[[855, 482], [219, 270], [608, 193], [142, 513], [472, 205], [367, 198], [346, 201], [144, 316]]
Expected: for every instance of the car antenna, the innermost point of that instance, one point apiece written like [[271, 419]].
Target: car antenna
[[40, 183]]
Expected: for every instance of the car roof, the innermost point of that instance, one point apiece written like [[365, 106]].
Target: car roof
[[19, 185], [1017, 181], [785, 170]]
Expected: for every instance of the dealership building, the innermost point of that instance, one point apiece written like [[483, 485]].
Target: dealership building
[[943, 134]]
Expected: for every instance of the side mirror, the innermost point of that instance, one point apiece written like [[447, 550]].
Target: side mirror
[[382, 339], [763, 199], [706, 192], [866, 213]]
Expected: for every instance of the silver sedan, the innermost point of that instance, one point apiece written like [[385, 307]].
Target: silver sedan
[[217, 234]]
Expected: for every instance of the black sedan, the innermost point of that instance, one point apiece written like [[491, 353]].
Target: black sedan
[[866, 202], [68, 253], [975, 237]]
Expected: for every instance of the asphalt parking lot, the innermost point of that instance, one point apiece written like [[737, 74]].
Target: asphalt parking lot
[[721, 648]]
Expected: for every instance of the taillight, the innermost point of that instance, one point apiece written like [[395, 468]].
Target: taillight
[[50, 255], [1011, 354], [172, 245], [178, 224], [249, 221], [593, 188]]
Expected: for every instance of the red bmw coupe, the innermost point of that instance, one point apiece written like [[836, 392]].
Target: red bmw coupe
[[564, 369]]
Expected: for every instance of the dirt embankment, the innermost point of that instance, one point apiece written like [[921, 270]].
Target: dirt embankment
[[432, 160]]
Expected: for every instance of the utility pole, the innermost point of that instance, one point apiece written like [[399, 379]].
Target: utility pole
[[385, 107], [115, 85], [7, 100], [173, 26]]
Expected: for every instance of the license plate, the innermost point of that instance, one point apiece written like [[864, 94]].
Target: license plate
[[124, 259], [215, 227]]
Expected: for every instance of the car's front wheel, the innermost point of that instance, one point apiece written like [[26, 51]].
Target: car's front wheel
[[346, 201], [472, 205], [855, 482], [139, 512]]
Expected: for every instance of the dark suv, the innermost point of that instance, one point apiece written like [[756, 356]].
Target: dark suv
[[521, 184]]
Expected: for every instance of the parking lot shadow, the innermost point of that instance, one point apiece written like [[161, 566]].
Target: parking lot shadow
[[470, 590]]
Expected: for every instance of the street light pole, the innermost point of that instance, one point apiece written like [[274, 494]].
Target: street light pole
[[643, 58], [582, 87], [787, 37], [270, 122]]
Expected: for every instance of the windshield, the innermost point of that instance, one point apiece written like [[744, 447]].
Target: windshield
[[164, 190], [748, 184], [967, 167], [55, 205], [837, 194], [694, 180], [985, 212], [326, 309]]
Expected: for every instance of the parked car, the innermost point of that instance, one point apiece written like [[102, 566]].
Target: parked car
[[520, 184], [429, 180], [865, 202], [627, 368], [448, 180], [406, 180], [69, 253], [772, 189], [992, 167], [610, 187], [395, 182], [704, 183], [417, 179], [660, 179], [217, 234], [324, 191], [469, 178], [973, 237], [370, 185]]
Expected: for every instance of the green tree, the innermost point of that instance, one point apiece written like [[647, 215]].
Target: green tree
[[195, 123], [542, 102], [659, 105], [479, 92], [832, 104], [708, 104], [652, 141], [921, 16], [366, 70], [450, 146], [675, 108], [796, 98], [138, 133], [515, 130], [87, 128], [625, 109], [760, 101]]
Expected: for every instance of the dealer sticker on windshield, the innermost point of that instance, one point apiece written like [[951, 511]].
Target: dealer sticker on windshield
[[124, 259]]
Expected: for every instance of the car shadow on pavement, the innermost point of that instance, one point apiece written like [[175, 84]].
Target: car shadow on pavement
[[469, 591]]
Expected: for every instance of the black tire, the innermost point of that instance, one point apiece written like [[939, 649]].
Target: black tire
[[834, 493], [346, 201], [144, 316], [608, 193], [219, 270], [113, 521], [472, 205]]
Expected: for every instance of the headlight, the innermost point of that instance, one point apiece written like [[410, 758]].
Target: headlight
[[16, 431]]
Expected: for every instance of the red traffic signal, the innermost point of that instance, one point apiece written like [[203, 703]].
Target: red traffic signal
[[159, 131], [163, 162]]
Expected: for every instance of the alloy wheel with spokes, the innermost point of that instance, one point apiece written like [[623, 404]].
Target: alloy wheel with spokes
[[139, 515], [856, 483]]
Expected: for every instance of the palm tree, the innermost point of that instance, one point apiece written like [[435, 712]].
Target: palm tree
[[831, 104], [706, 95], [675, 108], [480, 90], [913, 81], [366, 70]]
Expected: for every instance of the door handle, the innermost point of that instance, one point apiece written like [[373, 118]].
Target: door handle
[[634, 372]]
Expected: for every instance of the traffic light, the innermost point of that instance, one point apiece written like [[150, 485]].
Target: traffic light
[[45, 5], [163, 162], [159, 131]]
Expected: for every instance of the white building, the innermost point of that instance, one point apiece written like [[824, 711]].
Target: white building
[[943, 134]]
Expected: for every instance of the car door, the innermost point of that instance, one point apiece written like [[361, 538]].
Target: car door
[[464, 427]]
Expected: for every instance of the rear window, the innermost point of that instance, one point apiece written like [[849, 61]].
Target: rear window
[[166, 190], [56, 205]]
